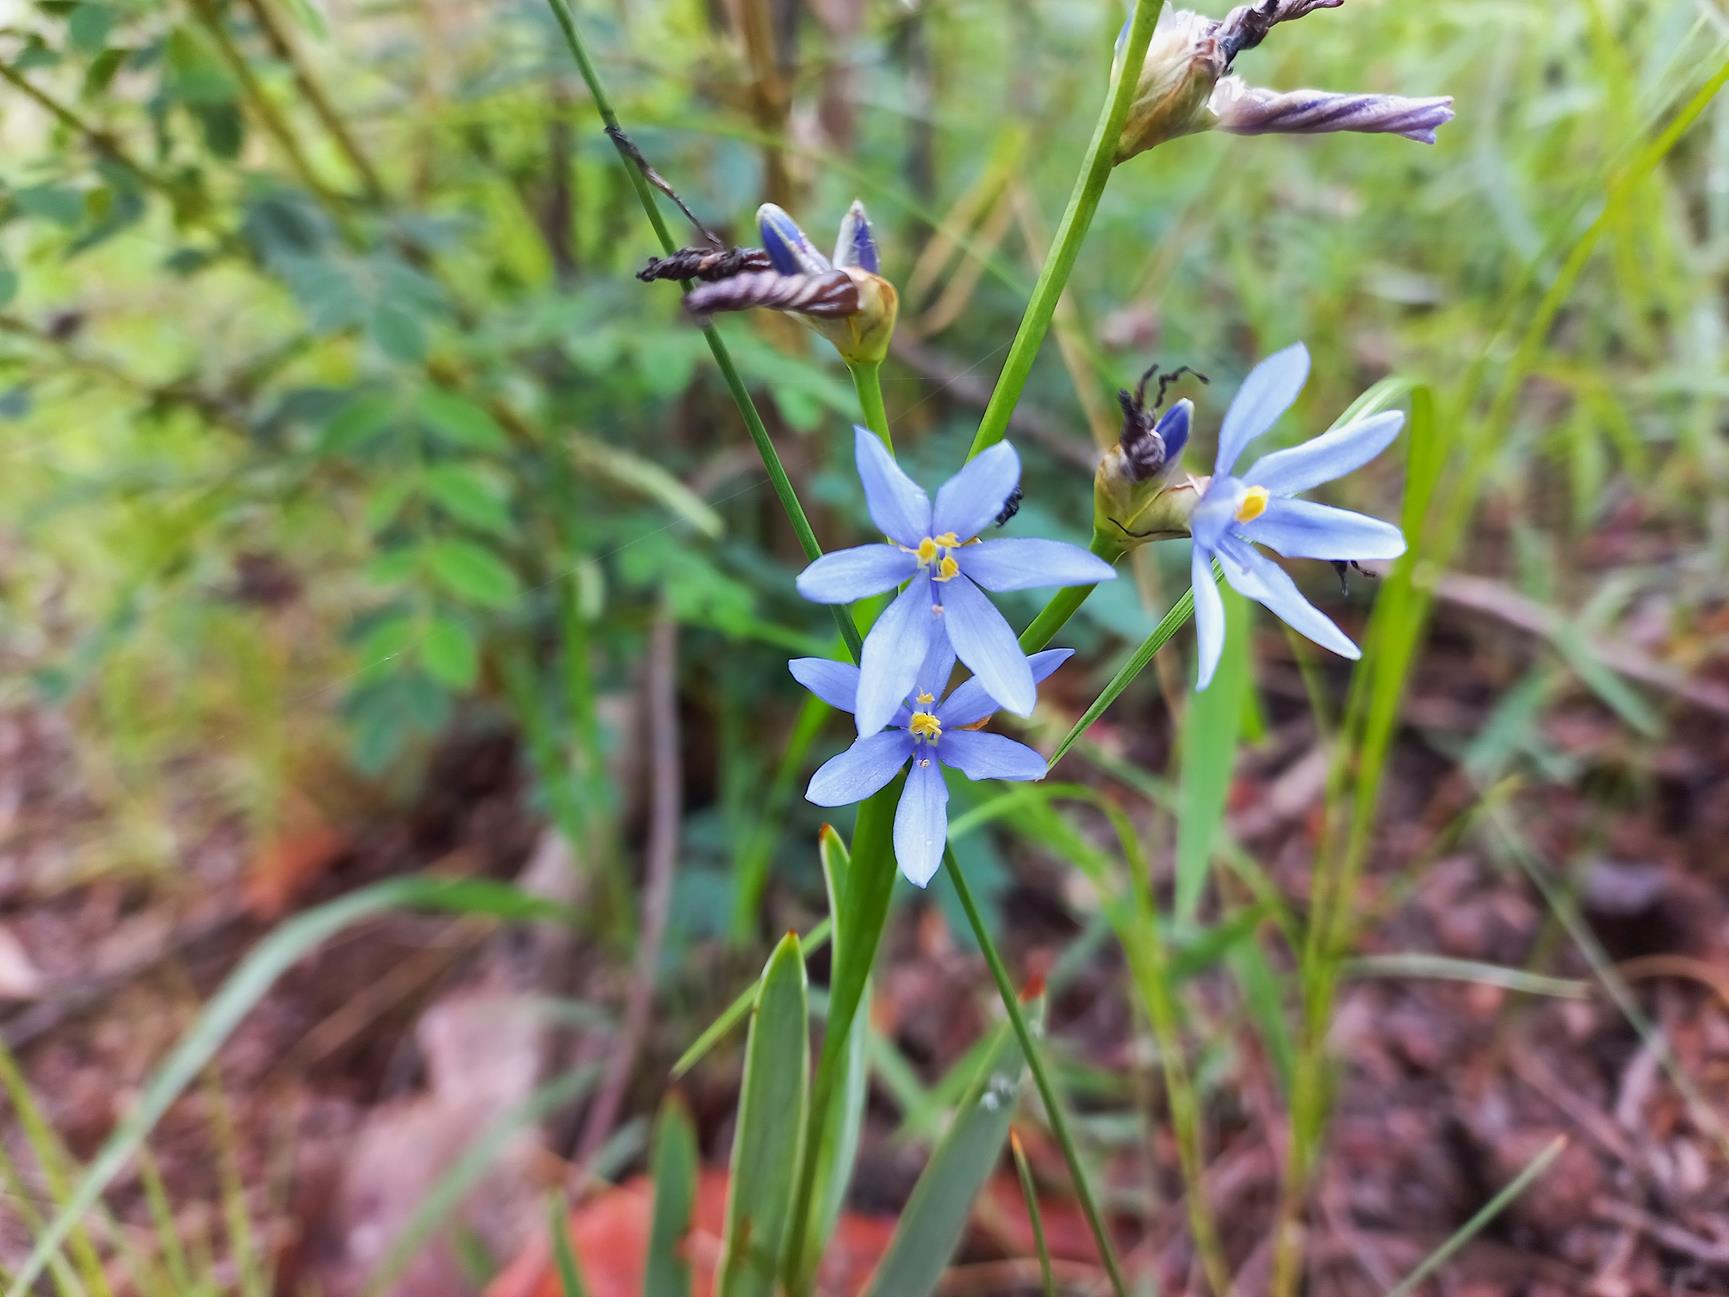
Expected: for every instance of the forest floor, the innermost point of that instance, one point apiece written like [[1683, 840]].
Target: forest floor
[[366, 1071]]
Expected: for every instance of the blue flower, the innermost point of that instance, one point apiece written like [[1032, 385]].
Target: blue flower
[[925, 732], [938, 548], [1236, 513]]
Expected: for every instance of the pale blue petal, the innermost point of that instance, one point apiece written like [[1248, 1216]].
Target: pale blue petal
[[1265, 581], [969, 703], [787, 246], [893, 652], [1024, 564], [1216, 514], [1209, 617], [836, 683], [1265, 394], [1304, 529], [848, 574], [939, 665], [922, 821], [898, 505], [988, 756], [983, 640], [861, 770], [856, 246], [971, 500], [1329, 456]]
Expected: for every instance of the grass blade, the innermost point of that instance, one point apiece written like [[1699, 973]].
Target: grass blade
[[1491, 1209], [936, 1215], [735, 1012], [257, 973], [570, 1282], [870, 879], [771, 1116], [1169, 625], [673, 1167], [1209, 752], [839, 1127], [1029, 1191]]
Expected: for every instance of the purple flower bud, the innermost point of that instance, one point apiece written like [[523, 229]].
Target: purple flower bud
[[856, 248], [1249, 110], [829, 296], [789, 249]]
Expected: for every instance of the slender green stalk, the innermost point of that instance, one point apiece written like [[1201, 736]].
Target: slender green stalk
[[313, 94], [1375, 702], [1168, 626], [777, 475], [867, 382], [1077, 219], [1491, 1209], [558, 1224], [1030, 1192], [271, 119], [1065, 602], [1041, 1077]]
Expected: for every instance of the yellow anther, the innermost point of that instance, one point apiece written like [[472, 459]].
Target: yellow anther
[[948, 569], [927, 551], [924, 697], [1254, 504], [925, 725], [948, 540]]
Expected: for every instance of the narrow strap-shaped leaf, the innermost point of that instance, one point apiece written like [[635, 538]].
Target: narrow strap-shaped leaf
[[735, 1012], [771, 1116], [936, 1215], [673, 1168], [870, 878], [570, 1282], [1209, 748], [838, 1128], [1035, 1217]]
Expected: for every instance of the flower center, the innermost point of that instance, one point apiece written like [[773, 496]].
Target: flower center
[[1254, 504], [935, 549], [925, 725]]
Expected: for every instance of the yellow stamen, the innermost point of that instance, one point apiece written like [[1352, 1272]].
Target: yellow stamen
[[925, 697], [925, 725], [927, 551], [948, 569], [948, 540], [1254, 504]]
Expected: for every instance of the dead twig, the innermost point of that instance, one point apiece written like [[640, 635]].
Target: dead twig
[[660, 862], [1509, 607]]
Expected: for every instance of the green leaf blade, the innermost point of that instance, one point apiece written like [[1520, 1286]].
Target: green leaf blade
[[772, 1103]]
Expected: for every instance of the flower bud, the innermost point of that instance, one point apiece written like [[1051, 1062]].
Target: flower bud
[[845, 300], [1129, 513], [1249, 110], [1186, 85], [1136, 495], [1184, 62]]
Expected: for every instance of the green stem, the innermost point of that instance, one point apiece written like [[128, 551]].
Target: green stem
[[1041, 1077], [1030, 1192], [1065, 602], [1077, 218], [1168, 626], [867, 382], [777, 475]]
